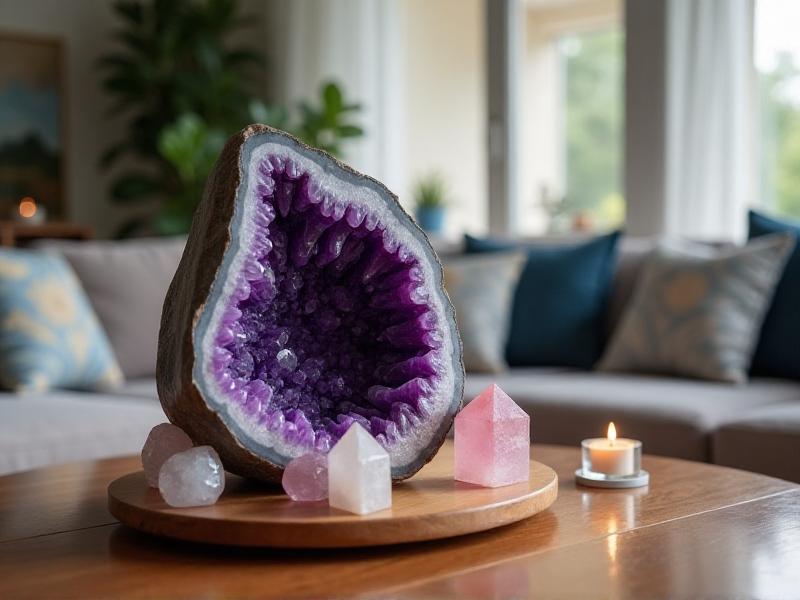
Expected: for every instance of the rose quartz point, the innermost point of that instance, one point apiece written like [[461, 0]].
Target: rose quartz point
[[492, 441], [305, 478], [163, 441]]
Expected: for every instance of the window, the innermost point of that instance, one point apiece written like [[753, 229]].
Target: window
[[592, 66], [777, 62], [572, 147]]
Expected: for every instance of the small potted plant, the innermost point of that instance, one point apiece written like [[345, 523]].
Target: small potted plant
[[430, 198]]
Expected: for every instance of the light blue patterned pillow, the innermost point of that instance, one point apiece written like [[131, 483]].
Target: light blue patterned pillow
[[697, 311], [49, 334], [481, 288]]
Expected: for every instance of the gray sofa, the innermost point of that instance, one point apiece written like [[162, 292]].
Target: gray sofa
[[754, 427]]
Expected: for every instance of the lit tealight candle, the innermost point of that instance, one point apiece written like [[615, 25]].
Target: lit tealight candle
[[613, 456]]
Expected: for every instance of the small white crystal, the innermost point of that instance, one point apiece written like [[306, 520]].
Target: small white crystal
[[296, 281], [359, 473], [287, 359], [163, 441], [192, 478], [283, 337]]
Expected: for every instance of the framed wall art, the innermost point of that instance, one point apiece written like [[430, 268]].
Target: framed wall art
[[32, 123]]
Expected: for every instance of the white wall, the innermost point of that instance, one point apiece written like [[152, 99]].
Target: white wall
[[645, 116], [446, 104], [422, 84], [359, 45], [86, 27]]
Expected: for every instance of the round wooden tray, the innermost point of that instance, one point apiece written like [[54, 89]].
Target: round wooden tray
[[428, 506]]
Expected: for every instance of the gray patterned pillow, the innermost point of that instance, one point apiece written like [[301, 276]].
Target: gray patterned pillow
[[481, 287], [697, 311]]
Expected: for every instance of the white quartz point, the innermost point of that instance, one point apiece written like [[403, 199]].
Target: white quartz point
[[192, 478], [359, 473]]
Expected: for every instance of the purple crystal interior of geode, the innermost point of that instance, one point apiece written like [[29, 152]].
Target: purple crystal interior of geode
[[328, 322]]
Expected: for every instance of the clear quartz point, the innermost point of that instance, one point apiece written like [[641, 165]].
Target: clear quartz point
[[287, 359], [192, 478], [359, 473]]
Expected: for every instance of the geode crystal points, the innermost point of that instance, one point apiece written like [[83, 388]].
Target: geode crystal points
[[306, 300]]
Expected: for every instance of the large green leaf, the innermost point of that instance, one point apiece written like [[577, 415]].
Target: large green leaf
[[131, 11], [131, 226], [133, 186], [242, 56], [113, 153], [349, 131], [332, 97], [173, 220]]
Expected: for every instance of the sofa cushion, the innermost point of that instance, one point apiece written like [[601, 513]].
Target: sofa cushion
[[126, 282], [141, 387], [697, 311], [481, 288], [559, 311], [778, 353], [57, 427], [672, 417], [765, 439], [632, 254], [49, 335]]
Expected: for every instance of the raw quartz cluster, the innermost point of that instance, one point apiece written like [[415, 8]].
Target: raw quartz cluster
[[356, 474], [492, 441], [185, 475], [192, 478]]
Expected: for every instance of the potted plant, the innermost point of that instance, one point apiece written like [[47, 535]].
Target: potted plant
[[430, 198], [184, 86]]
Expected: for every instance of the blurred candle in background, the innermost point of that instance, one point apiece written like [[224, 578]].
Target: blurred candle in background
[[29, 211]]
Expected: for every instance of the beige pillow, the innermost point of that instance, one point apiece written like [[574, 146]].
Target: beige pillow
[[126, 282], [481, 288], [697, 311]]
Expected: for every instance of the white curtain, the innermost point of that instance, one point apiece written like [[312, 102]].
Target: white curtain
[[710, 168], [358, 44]]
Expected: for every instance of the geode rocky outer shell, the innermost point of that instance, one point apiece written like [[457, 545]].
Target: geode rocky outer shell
[[306, 300]]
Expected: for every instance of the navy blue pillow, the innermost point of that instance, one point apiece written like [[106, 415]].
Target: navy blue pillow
[[559, 306], [778, 350]]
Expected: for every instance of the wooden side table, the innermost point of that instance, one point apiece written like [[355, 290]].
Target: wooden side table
[[14, 233]]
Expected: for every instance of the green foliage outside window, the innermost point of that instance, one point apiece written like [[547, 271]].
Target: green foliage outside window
[[780, 137], [593, 64]]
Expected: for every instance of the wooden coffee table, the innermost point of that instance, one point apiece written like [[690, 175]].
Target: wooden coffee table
[[698, 530]]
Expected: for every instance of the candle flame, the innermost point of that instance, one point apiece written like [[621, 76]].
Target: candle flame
[[27, 207], [612, 432]]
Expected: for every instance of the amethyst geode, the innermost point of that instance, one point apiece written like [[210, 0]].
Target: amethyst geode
[[306, 300]]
